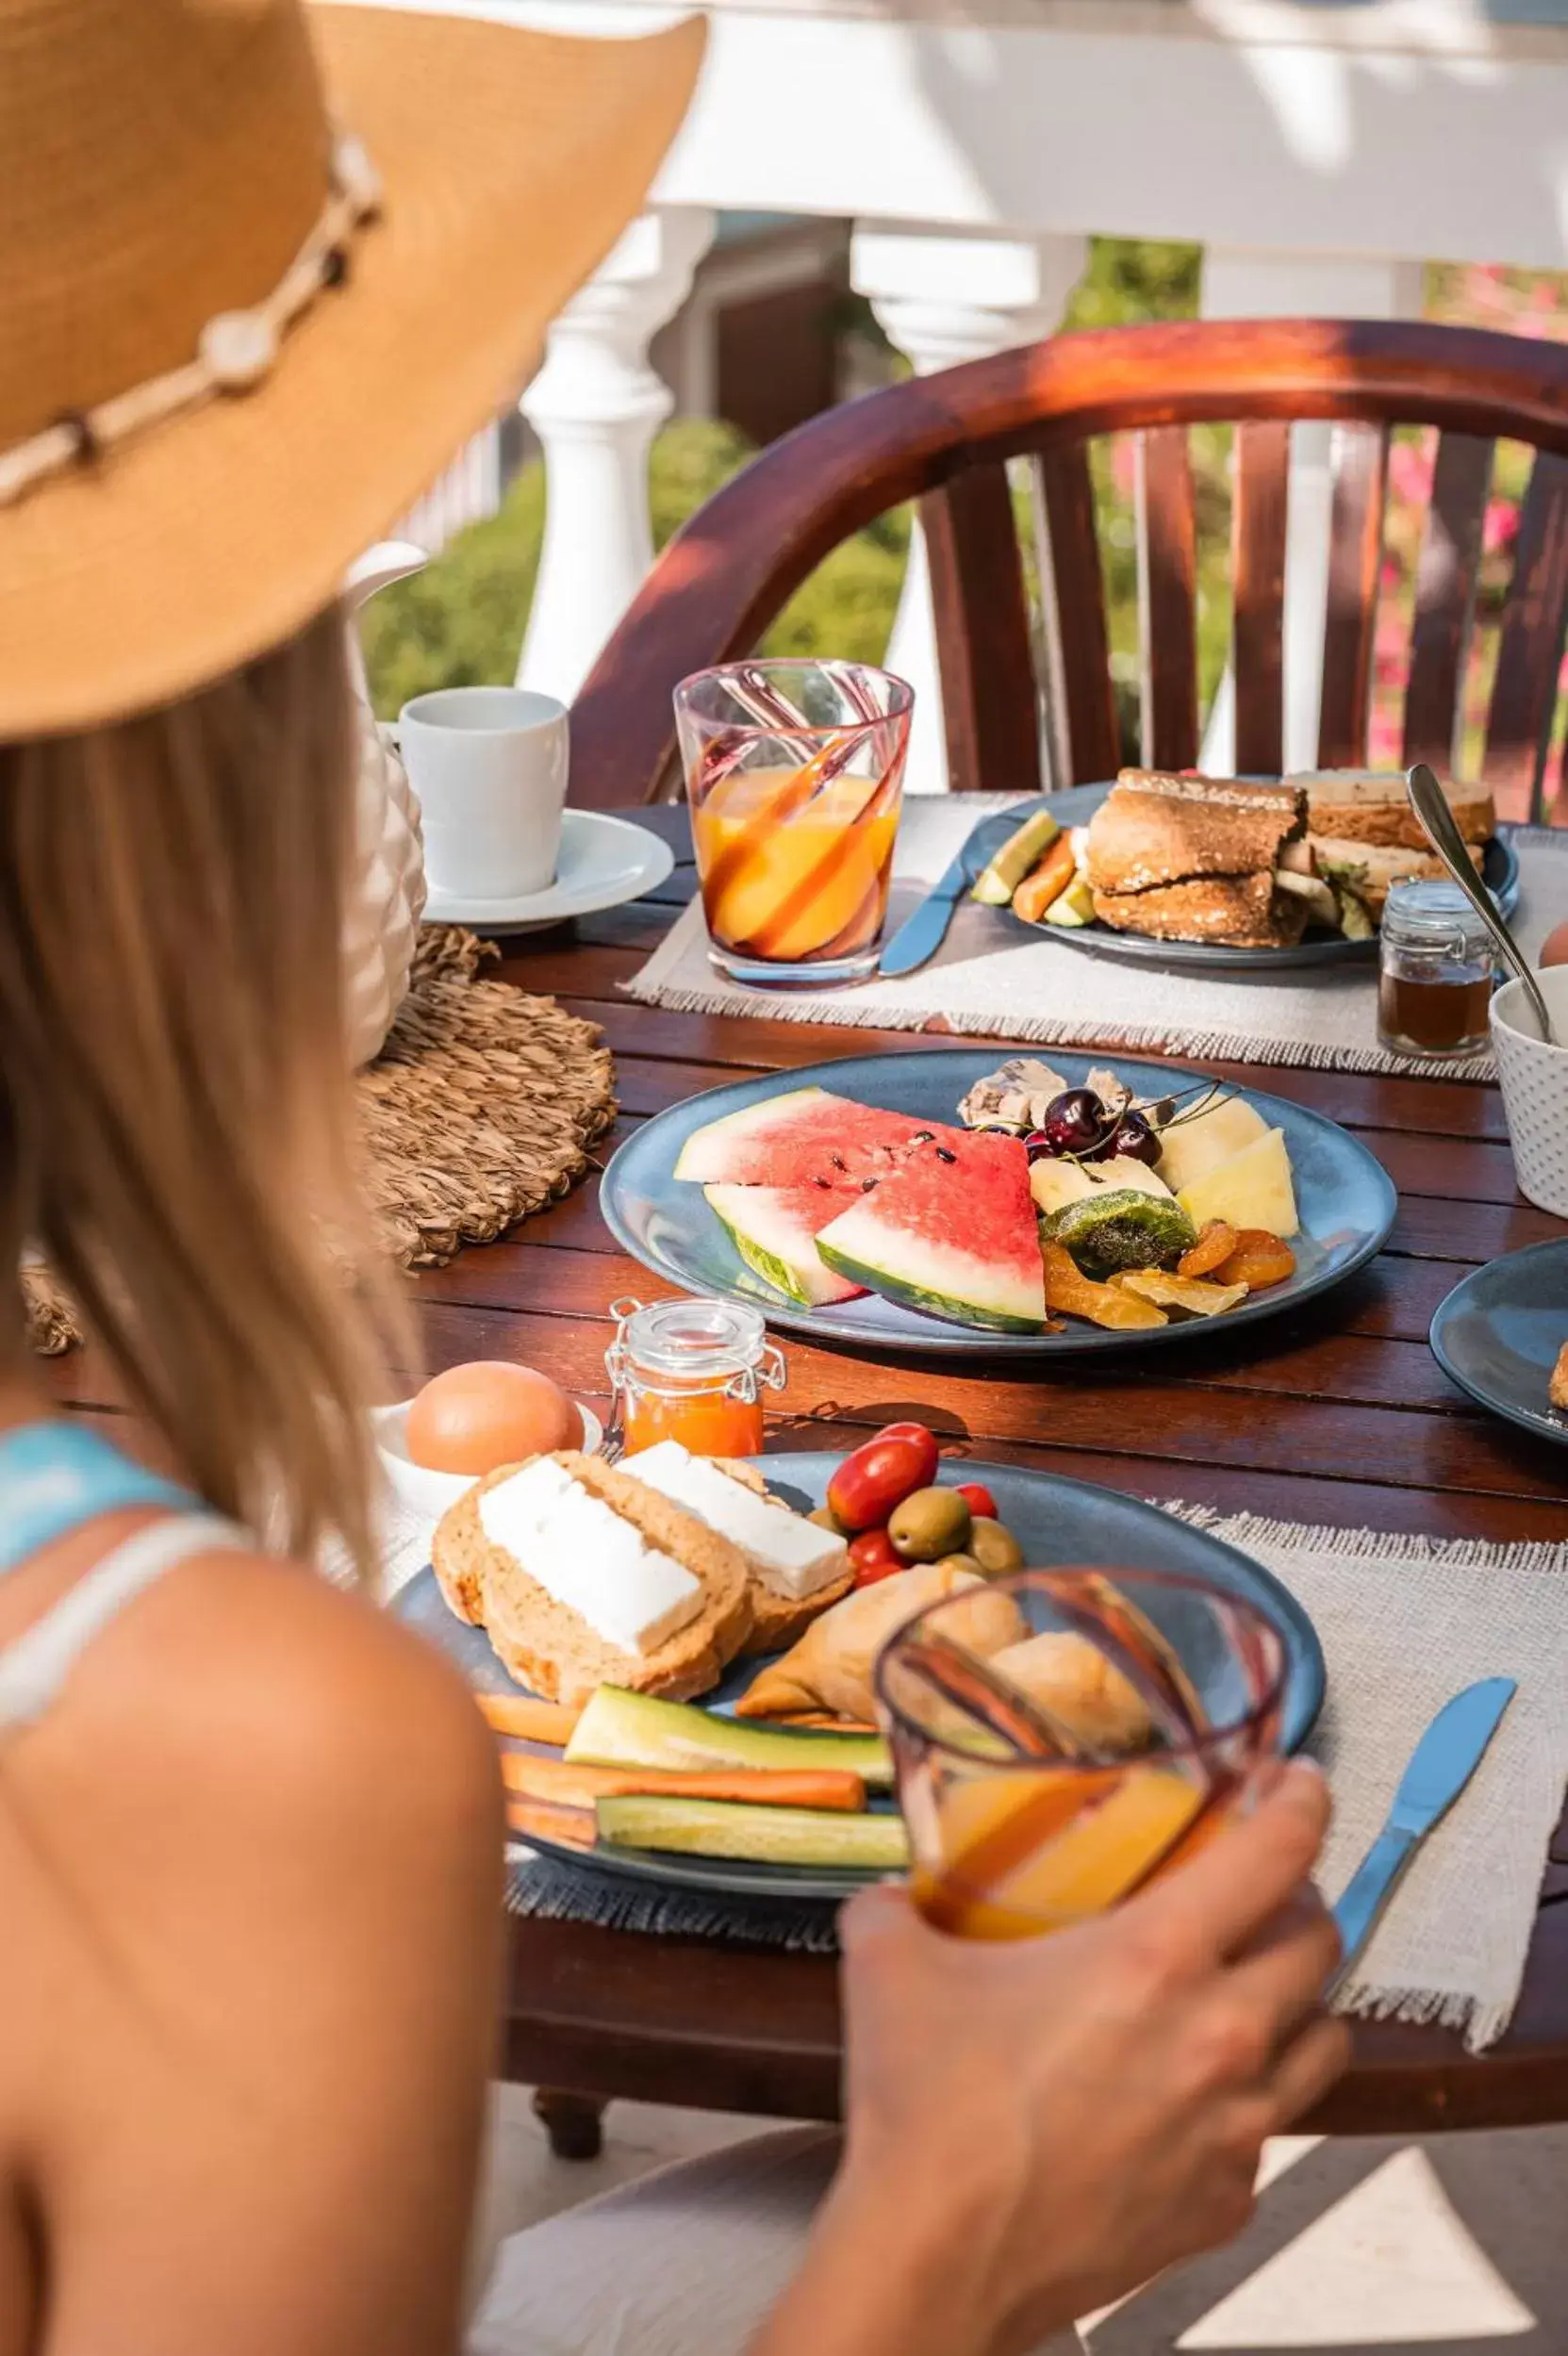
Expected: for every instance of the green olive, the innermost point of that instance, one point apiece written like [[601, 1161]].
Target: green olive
[[965, 1563], [826, 1519], [929, 1525], [994, 1548]]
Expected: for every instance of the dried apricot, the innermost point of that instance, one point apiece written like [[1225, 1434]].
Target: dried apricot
[[1258, 1260], [1214, 1245]]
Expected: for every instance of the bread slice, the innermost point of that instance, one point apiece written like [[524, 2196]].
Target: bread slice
[[1368, 806], [1244, 911], [1154, 830], [549, 1647], [1369, 868], [777, 1621]]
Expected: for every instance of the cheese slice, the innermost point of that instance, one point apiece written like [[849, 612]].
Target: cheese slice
[[796, 1557], [587, 1558]]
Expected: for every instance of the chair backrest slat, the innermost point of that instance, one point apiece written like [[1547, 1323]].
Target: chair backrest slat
[[1529, 655], [1446, 575], [1074, 597], [1167, 575], [1258, 574], [989, 699], [1354, 557]]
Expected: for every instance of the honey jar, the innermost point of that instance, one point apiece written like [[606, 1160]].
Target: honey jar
[[1435, 987], [693, 1370]]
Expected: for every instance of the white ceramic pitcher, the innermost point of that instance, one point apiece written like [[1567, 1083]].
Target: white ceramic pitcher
[[387, 892]]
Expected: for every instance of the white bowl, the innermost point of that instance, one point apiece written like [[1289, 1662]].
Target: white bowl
[[1535, 1087], [416, 1485]]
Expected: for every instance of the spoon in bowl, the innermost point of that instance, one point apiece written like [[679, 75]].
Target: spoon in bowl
[[1431, 804]]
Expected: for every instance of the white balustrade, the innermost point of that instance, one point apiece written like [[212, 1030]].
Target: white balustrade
[[596, 405], [1302, 144]]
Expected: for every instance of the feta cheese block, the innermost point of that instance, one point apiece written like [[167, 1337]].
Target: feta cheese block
[[796, 1557], [585, 1556]]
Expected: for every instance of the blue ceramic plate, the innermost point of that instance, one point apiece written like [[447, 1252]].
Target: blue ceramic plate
[[1498, 1334], [1345, 1197], [1054, 1520], [1077, 806]]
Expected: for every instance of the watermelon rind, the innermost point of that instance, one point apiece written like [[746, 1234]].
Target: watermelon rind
[[770, 1231], [955, 1286]]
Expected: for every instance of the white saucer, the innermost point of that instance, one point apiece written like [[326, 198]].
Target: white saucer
[[602, 863]]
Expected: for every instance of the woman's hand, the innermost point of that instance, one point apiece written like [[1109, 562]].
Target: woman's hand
[[1035, 2128]]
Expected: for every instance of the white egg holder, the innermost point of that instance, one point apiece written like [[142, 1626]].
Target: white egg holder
[[420, 1488]]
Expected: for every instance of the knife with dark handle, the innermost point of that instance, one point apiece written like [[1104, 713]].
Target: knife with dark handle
[[921, 936], [1441, 1765]]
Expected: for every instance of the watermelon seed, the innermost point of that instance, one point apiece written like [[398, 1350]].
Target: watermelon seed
[[838, 1162], [824, 1184], [866, 1184], [943, 1155]]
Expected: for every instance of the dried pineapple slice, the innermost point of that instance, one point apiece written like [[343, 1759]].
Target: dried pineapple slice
[[1193, 1293], [1075, 1295]]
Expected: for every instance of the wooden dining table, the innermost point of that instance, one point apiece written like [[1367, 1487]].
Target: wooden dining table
[[1336, 1413]]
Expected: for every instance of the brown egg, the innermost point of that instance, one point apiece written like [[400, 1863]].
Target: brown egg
[[1555, 949], [490, 1412]]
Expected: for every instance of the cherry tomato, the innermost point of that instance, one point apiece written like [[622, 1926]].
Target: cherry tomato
[[979, 1500], [873, 1557], [881, 1473]]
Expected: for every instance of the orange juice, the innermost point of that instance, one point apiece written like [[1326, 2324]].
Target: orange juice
[[791, 875], [1028, 1851]]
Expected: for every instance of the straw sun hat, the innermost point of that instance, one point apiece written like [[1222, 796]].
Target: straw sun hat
[[262, 269]]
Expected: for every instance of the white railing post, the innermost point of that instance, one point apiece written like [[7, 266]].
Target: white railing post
[[1245, 283], [596, 405], [942, 296]]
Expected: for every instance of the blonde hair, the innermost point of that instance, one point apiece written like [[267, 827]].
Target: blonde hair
[[175, 1116]]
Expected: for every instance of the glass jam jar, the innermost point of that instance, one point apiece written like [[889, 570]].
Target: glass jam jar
[[1435, 985], [693, 1370]]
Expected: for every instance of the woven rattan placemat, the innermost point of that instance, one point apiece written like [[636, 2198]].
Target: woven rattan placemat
[[482, 1107]]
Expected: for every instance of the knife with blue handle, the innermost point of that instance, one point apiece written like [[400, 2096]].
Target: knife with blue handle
[[920, 936], [1441, 1765]]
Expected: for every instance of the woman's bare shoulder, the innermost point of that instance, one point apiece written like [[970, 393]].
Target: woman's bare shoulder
[[247, 1703]]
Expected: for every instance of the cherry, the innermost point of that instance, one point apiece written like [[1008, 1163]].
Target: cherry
[[1075, 1123], [1136, 1140]]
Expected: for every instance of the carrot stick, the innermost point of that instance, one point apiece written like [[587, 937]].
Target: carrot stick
[[532, 1820], [823, 1720], [529, 1721], [554, 1784]]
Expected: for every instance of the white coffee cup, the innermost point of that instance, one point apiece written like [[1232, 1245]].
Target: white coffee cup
[[489, 767], [1534, 1074]]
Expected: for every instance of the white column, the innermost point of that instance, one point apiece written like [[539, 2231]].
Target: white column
[[942, 296], [596, 405], [1244, 283]]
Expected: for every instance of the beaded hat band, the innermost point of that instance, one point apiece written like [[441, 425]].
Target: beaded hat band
[[234, 351]]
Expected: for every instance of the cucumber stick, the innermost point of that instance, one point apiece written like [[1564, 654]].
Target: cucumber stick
[[723, 1828], [1021, 851], [619, 1729]]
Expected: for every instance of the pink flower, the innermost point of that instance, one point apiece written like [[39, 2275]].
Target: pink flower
[[1501, 527]]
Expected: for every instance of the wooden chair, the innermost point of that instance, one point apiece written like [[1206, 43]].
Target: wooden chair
[[945, 440]]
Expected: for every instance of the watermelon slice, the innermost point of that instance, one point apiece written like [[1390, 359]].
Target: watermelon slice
[[793, 1140], [952, 1231], [774, 1230]]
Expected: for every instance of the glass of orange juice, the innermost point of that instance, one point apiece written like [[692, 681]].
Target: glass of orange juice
[[794, 775], [1055, 1756]]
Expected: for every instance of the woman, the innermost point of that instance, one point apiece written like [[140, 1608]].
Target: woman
[[249, 1829]]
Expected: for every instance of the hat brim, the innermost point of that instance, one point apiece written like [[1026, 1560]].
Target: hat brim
[[512, 160]]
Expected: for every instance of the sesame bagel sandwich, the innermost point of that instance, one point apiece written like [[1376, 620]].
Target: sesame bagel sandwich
[[582, 1577]]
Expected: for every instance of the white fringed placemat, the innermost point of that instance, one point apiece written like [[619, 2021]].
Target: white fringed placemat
[[1404, 1623], [992, 980]]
